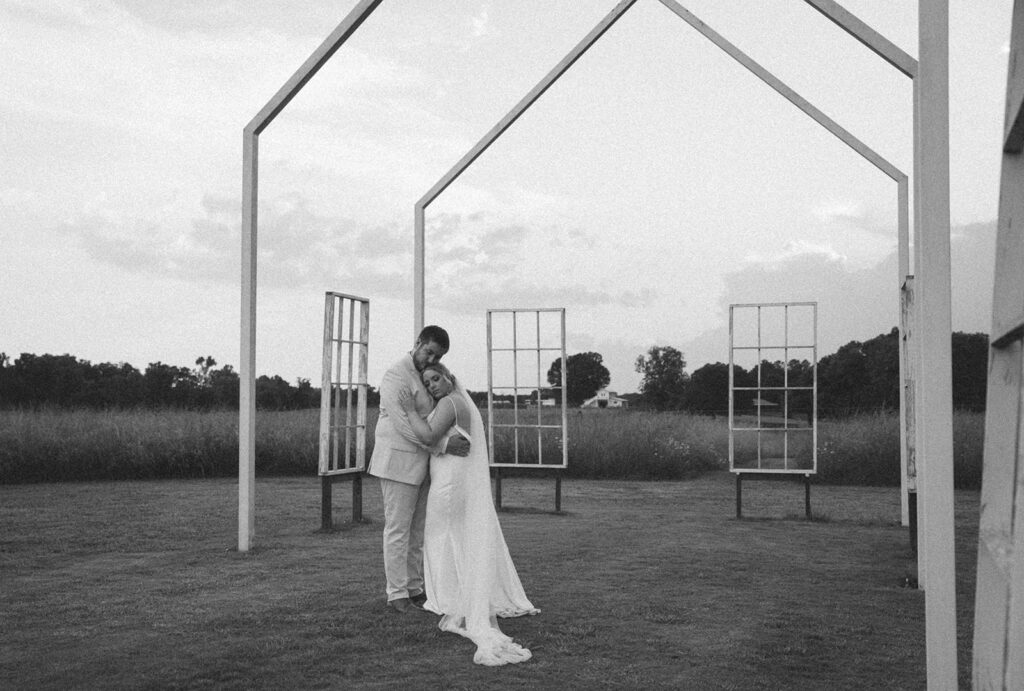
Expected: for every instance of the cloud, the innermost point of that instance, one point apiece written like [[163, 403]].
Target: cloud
[[114, 72], [143, 246], [972, 264], [297, 247], [480, 23], [476, 29], [484, 291], [477, 243], [472, 262], [858, 217], [76, 15], [479, 261], [181, 16], [14, 197], [143, 68], [851, 212], [794, 250], [854, 303], [215, 17]]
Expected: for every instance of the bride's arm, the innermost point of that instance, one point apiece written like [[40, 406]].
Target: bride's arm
[[428, 432]]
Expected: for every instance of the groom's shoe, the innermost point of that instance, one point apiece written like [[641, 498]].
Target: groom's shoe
[[417, 601], [400, 605]]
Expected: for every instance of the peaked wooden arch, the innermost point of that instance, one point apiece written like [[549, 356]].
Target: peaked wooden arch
[[999, 590], [889, 52], [932, 353]]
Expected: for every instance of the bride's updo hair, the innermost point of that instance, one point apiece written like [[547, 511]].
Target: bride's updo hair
[[443, 371]]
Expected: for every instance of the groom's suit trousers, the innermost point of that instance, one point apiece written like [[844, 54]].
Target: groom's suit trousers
[[405, 510], [401, 461]]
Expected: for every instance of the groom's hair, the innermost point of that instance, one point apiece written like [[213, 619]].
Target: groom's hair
[[435, 334]]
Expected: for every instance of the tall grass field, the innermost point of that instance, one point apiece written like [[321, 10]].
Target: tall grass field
[[59, 445]]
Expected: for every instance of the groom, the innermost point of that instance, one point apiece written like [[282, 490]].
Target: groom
[[401, 462]]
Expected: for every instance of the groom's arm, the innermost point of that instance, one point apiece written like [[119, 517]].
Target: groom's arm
[[390, 387], [392, 384]]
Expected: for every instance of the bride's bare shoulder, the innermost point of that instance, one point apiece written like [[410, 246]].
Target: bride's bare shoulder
[[461, 409]]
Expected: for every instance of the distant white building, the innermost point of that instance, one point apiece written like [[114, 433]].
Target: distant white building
[[605, 399], [548, 398]]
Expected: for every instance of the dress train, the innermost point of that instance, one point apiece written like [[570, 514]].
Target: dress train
[[470, 577]]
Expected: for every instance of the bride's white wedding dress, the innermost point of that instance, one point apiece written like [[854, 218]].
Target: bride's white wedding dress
[[470, 577]]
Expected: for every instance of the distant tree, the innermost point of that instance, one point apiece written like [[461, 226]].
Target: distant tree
[[766, 381], [801, 401], [273, 393], [202, 370], [58, 380], [865, 376], [65, 381], [664, 382], [114, 386], [708, 388], [770, 374], [860, 376], [305, 396], [584, 376], [841, 378], [970, 370], [6, 381], [223, 387], [882, 364], [169, 385], [801, 373]]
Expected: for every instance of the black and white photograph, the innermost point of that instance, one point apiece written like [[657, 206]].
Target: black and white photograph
[[500, 344]]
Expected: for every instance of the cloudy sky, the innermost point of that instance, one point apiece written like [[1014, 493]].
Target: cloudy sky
[[655, 184]]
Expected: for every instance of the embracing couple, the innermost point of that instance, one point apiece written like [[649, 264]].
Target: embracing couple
[[443, 547]]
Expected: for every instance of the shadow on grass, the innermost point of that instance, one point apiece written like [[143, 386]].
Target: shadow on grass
[[822, 518], [533, 510], [344, 526]]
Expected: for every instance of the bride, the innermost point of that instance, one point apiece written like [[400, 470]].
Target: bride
[[469, 575]]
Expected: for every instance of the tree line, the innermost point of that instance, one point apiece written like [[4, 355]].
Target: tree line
[[858, 377], [65, 381]]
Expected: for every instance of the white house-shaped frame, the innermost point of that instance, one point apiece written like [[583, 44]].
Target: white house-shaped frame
[[932, 349]]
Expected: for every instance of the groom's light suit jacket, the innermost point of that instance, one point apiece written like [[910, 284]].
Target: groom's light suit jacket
[[397, 454]]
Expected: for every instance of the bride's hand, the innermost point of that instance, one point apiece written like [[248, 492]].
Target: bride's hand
[[406, 400]]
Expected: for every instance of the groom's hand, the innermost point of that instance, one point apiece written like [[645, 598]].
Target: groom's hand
[[457, 445]]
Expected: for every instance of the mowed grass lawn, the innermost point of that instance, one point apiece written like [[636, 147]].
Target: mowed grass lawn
[[641, 584]]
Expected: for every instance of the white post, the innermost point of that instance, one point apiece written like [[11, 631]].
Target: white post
[[915, 345], [247, 360], [326, 387], [999, 596], [909, 354], [250, 166], [903, 269], [934, 405], [418, 280]]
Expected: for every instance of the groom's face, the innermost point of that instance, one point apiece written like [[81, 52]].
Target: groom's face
[[426, 354]]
